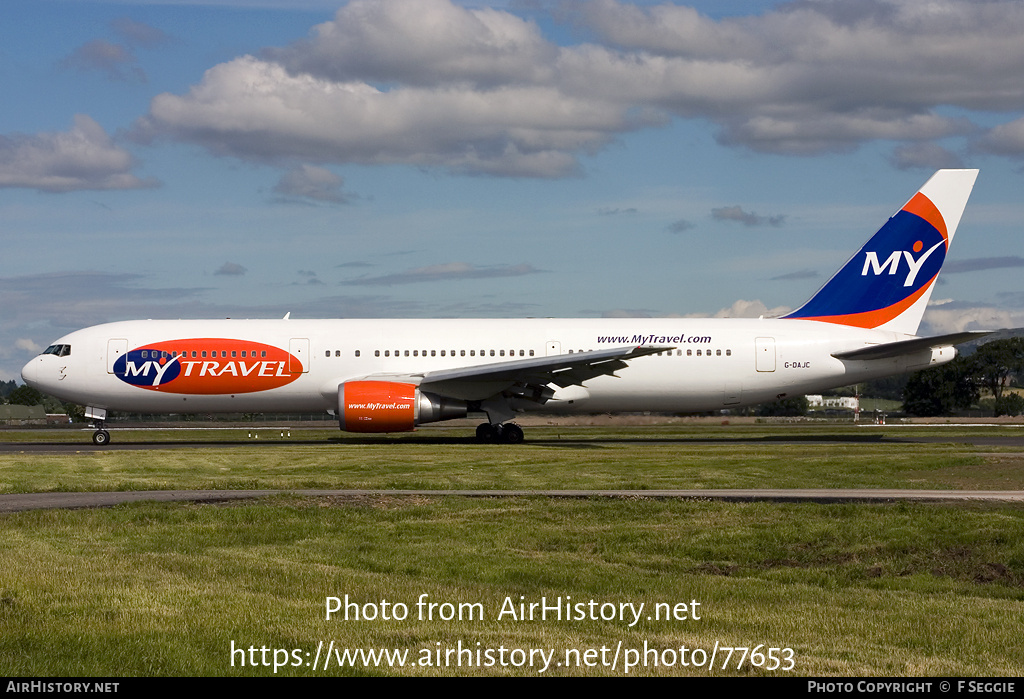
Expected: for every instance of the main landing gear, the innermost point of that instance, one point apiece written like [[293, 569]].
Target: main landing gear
[[100, 437], [507, 432]]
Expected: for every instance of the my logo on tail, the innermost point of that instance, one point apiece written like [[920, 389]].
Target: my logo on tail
[[872, 290], [871, 262]]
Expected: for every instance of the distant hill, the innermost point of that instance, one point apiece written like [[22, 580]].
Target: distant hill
[[968, 348]]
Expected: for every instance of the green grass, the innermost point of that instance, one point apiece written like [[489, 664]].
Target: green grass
[[595, 458], [852, 589], [165, 589]]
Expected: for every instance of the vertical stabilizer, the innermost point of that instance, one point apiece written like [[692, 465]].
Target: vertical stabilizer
[[887, 284]]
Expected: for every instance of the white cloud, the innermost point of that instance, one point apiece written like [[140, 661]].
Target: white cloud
[[822, 76], [430, 83], [254, 109], [941, 320], [83, 158], [425, 43], [747, 309], [27, 345]]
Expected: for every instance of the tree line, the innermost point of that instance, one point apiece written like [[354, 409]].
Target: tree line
[[958, 385]]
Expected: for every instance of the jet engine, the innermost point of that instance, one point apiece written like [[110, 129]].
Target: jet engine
[[388, 406]]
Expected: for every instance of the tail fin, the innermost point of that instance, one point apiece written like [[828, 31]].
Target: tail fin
[[887, 284]]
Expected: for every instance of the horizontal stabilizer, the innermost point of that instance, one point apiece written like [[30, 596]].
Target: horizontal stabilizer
[[897, 349]]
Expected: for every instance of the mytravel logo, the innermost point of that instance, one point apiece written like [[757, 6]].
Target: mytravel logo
[[208, 366]]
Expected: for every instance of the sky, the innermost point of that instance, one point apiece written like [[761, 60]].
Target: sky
[[434, 158]]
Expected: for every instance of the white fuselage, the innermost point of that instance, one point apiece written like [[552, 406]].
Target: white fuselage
[[715, 363]]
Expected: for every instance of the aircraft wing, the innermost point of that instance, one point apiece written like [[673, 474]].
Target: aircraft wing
[[531, 376], [896, 349]]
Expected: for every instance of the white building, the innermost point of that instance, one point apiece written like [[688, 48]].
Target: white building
[[842, 402]]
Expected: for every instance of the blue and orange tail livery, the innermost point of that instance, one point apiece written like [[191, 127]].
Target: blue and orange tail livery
[[887, 284]]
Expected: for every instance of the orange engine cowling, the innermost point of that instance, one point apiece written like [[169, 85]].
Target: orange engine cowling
[[388, 406]]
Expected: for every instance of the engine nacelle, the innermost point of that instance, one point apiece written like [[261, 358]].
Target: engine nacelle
[[388, 406]]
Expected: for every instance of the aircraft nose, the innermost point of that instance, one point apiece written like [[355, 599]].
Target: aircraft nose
[[30, 371]]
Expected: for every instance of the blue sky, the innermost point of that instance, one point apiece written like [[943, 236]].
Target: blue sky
[[427, 158]]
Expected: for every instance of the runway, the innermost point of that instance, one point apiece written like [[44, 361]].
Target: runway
[[1014, 440], [272, 441], [20, 502]]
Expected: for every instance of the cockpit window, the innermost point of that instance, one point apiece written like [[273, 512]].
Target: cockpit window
[[59, 350]]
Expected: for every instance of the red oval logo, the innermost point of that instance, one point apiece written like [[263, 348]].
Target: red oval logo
[[208, 366]]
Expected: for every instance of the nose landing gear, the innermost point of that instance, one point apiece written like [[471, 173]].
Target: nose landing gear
[[100, 437]]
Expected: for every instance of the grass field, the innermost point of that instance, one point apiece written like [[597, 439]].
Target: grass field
[[171, 589]]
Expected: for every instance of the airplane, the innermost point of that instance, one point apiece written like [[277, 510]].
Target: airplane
[[394, 375]]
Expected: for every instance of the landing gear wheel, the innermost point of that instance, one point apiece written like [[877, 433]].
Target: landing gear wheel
[[101, 438], [508, 432], [511, 433]]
